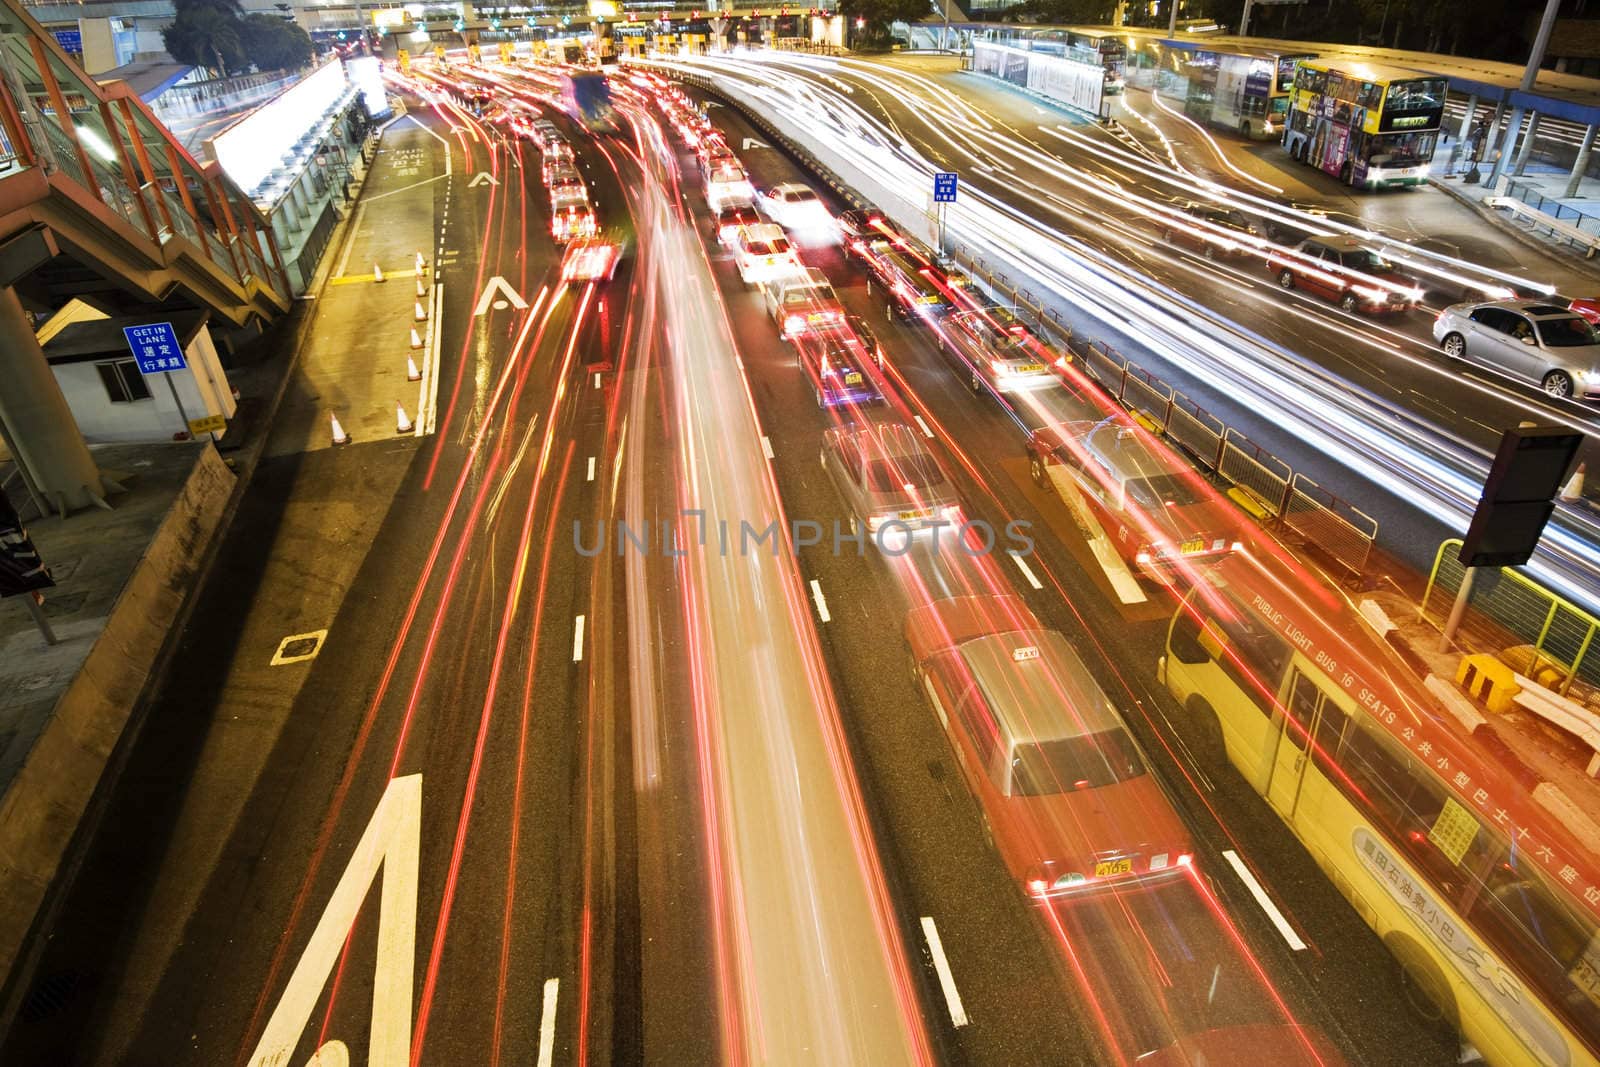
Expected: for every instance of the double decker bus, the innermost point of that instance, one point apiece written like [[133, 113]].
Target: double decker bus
[[1242, 89], [1479, 873], [1108, 46], [1368, 125]]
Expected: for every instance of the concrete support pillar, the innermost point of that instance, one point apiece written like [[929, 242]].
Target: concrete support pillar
[[1466, 131], [1508, 148], [38, 421], [1527, 144], [1581, 164]]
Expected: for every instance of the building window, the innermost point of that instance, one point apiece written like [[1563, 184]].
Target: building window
[[123, 381]]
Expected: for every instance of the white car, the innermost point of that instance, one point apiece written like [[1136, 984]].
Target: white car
[[728, 184], [764, 253], [799, 210]]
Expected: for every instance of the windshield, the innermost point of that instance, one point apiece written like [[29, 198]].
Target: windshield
[[1415, 95], [1367, 262], [1087, 761], [1401, 149], [1573, 332], [1172, 490], [919, 471], [801, 295], [798, 196], [776, 247]]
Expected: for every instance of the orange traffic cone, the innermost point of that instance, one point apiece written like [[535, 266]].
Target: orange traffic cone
[[416, 340], [402, 421], [339, 436], [412, 373], [421, 312], [422, 290], [377, 273], [1573, 490], [422, 264]]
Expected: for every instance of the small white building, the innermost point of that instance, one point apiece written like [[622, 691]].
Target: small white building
[[112, 401]]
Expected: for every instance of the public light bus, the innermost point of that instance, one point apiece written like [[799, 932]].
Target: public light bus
[[1368, 125], [1245, 90], [1479, 876]]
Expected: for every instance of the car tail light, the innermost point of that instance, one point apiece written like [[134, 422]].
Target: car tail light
[[1037, 886], [1185, 860], [827, 367], [793, 325], [1000, 367]]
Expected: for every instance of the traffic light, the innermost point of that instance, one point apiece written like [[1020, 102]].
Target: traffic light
[[21, 569]]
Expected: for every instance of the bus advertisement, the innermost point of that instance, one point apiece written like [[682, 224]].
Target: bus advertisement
[[1478, 872], [1244, 90], [1371, 127]]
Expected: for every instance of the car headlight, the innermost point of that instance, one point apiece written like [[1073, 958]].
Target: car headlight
[[1372, 296], [1000, 367]]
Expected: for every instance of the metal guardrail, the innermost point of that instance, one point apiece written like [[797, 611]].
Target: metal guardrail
[[1276, 494], [1562, 220], [1563, 635], [1325, 523]]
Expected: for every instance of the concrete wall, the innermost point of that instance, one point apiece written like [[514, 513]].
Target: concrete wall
[[40, 813]]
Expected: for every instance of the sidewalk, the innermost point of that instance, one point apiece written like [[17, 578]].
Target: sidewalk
[[127, 581], [1542, 188]]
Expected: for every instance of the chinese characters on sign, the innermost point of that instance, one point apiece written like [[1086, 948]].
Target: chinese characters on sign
[[944, 187], [155, 347]]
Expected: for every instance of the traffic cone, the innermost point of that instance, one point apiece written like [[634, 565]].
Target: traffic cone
[[421, 312], [412, 373], [402, 421], [416, 339], [422, 264], [1573, 490], [422, 290], [377, 273], [339, 436]]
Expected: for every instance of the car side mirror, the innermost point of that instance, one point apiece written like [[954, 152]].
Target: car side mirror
[[1529, 341]]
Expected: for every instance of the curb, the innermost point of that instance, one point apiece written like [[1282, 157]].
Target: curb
[[1528, 240]]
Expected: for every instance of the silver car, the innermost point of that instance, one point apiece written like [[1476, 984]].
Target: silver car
[[998, 349], [1530, 339], [886, 474]]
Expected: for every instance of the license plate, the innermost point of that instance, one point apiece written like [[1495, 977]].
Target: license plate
[[1112, 868], [932, 298], [912, 516], [1193, 545], [853, 378], [1030, 368]]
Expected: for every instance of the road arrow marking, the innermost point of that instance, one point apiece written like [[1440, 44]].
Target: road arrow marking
[[751, 142], [392, 845], [508, 296], [483, 177]]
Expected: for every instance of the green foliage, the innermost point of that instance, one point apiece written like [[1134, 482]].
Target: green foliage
[[273, 43], [205, 36], [217, 34], [878, 14]]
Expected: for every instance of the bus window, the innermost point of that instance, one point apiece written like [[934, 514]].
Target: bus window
[[1329, 730], [1250, 654], [1302, 708], [1373, 769], [1553, 949]]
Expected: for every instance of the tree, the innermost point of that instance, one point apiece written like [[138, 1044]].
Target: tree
[[876, 15], [272, 43], [202, 33]]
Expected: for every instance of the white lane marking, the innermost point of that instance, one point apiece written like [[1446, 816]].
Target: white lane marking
[[1027, 571], [547, 1022], [822, 604], [591, 470], [390, 846], [947, 981], [766, 446], [597, 379], [350, 241], [306, 646], [925, 431], [577, 641], [1265, 901], [428, 390], [424, 128]]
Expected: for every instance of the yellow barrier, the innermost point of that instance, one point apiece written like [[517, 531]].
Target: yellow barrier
[[1488, 681]]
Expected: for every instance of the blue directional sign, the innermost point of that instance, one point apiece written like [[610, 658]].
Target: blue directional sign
[[155, 347], [69, 40], [944, 187]]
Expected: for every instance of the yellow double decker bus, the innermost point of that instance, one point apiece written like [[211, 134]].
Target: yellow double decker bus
[[1480, 874], [1368, 125]]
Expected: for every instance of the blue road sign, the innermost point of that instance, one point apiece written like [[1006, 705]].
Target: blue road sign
[[944, 187], [69, 40], [155, 347]]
